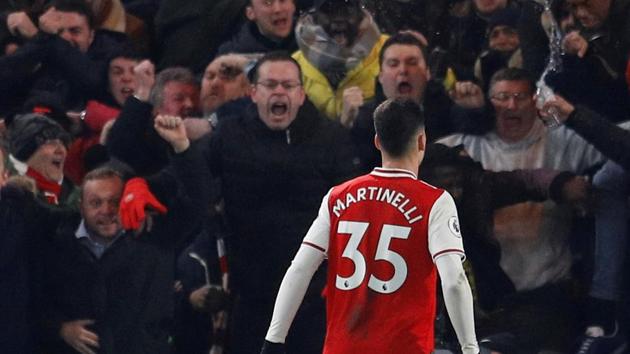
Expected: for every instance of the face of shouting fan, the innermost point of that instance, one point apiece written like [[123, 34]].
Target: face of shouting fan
[[274, 18], [404, 72], [278, 93]]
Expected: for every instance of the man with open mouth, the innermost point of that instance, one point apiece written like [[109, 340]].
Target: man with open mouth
[[533, 237], [339, 47], [274, 159], [270, 28], [404, 73], [39, 147], [174, 92]]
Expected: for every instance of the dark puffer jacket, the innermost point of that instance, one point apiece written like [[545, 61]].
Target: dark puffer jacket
[[128, 291], [249, 40], [272, 183]]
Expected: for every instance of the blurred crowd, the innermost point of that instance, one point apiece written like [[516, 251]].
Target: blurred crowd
[[161, 161]]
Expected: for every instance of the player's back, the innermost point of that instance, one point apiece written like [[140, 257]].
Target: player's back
[[382, 279]]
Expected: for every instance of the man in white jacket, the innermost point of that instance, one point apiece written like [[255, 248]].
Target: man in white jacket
[[533, 237]]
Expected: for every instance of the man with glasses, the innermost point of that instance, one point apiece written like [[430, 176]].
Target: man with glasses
[[275, 159], [533, 237]]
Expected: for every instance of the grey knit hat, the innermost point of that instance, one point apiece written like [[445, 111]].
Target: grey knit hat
[[30, 131]]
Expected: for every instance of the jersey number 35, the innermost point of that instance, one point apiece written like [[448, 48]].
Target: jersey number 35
[[357, 231]]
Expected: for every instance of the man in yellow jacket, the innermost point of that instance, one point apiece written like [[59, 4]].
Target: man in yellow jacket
[[339, 48]]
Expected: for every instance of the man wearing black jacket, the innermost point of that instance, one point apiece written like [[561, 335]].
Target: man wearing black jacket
[[109, 291], [63, 56], [275, 161], [269, 28]]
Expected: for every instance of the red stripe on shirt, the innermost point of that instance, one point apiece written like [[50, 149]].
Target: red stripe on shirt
[[450, 250], [314, 246]]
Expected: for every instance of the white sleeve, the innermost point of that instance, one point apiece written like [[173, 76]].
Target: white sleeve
[[318, 235], [444, 234], [292, 291], [458, 300], [308, 258]]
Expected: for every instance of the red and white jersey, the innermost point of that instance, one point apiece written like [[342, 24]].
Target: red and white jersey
[[382, 233]]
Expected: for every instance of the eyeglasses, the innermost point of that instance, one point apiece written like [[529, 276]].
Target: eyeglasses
[[505, 96], [273, 84]]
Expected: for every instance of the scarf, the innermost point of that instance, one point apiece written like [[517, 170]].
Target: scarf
[[331, 59], [50, 189]]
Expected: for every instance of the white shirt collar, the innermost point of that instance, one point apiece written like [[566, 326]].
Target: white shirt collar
[[393, 173]]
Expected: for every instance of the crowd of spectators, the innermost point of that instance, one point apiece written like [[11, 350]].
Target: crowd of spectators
[[161, 160]]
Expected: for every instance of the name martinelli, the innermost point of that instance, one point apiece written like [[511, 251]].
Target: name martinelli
[[385, 195]]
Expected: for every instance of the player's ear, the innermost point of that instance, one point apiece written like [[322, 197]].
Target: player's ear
[[422, 141], [377, 142]]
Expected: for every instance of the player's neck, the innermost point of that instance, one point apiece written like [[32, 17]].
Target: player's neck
[[408, 164]]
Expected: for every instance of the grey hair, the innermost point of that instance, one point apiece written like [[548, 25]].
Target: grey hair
[[177, 74]]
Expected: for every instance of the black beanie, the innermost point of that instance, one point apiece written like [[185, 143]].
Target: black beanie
[[30, 131], [505, 17]]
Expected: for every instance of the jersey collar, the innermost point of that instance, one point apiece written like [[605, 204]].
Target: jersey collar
[[393, 173]]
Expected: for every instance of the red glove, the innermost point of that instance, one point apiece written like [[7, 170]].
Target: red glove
[[135, 199], [98, 114], [628, 74]]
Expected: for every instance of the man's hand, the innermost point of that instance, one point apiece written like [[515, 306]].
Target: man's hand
[[145, 79], [561, 107], [467, 95], [579, 193], [209, 298], [51, 21], [20, 24], [197, 298], [574, 44], [197, 127], [352, 100], [135, 199], [172, 130], [272, 348], [76, 335]]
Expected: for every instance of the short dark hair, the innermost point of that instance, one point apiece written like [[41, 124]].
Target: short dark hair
[[511, 74], [396, 122], [100, 173], [402, 39], [79, 6], [124, 51], [274, 57]]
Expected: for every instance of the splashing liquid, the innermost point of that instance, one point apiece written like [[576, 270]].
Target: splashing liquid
[[554, 64]]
